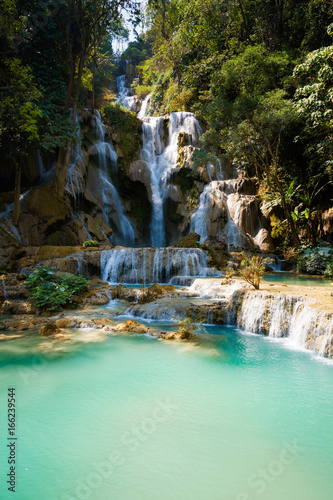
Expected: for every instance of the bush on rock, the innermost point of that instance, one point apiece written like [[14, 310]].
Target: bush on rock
[[52, 292]]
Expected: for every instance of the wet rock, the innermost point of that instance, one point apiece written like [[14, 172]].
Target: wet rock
[[99, 298], [49, 329], [192, 240], [179, 335], [131, 326], [44, 203], [102, 322], [17, 307], [65, 323], [154, 292], [20, 325], [128, 294]]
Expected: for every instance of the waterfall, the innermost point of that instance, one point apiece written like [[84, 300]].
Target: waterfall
[[210, 197], [126, 100], [144, 107], [111, 204], [283, 316], [161, 161], [222, 210], [155, 265]]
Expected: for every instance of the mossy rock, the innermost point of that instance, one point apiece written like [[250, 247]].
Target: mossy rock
[[51, 251], [45, 204], [128, 129], [192, 240]]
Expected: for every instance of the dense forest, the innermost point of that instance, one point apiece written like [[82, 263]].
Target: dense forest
[[258, 75]]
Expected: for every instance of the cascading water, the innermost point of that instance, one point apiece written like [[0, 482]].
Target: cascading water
[[144, 107], [124, 97], [161, 161], [111, 203], [222, 210], [210, 197], [130, 265]]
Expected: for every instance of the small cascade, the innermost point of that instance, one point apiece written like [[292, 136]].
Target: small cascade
[[211, 198], [144, 107], [284, 316], [131, 265], [222, 210], [161, 162], [124, 97]]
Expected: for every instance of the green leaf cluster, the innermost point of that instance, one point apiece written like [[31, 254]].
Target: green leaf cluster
[[53, 292]]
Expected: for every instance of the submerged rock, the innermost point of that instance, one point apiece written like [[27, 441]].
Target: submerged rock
[[9, 337]]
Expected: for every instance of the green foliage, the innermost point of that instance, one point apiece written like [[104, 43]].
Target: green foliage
[[192, 240], [188, 329], [91, 243], [318, 260], [52, 292], [252, 269], [314, 102], [128, 130], [19, 111]]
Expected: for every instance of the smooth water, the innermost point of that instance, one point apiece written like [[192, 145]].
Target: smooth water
[[240, 417], [294, 279]]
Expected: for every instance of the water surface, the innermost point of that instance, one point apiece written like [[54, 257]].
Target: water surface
[[241, 417]]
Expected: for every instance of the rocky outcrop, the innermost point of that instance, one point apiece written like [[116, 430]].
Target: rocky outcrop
[[131, 326]]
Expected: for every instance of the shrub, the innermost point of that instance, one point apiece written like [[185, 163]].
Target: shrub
[[91, 243], [142, 90], [188, 329], [52, 292], [317, 260], [252, 269], [329, 269]]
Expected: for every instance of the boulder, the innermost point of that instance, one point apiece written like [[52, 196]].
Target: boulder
[[49, 329], [131, 326], [99, 298], [20, 325], [17, 307], [154, 292], [65, 323], [190, 241], [45, 204]]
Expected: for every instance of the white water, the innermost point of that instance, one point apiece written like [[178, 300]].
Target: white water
[[161, 161], [111, 204], [129, 265], [210, 197], [144, 107], [126, 100]]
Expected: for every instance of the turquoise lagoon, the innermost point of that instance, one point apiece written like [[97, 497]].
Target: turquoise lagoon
[[241, 417]]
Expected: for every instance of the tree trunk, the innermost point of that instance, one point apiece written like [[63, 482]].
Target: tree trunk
[[17, 192]]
